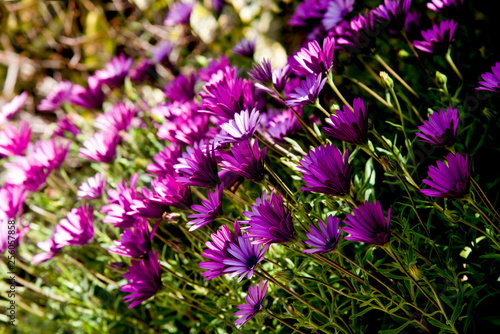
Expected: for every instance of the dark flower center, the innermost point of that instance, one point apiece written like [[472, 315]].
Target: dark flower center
[[330, 244], [251, 262], [257, 307]]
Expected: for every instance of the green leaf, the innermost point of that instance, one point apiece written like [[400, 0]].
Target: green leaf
[[438, 324], [395, 330]]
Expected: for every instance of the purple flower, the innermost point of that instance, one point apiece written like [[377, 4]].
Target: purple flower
[[325, 171], [11, 234], [326, 240], [171, 192], [11, 201], [165, 160], [65, 125], [209, 210], [254, 300], [120, 204], [14, 142], [445, 7], [270, 220], [50, 248], [57, 97], [216, 65], [185, 131], [241, 128], [181, 88], [491, 80], [450, 180], [438, 39], [307, 92], [161, 51], [144, 70], [283, 124], [198, 168], [144, 278], [368, 224], [77, 228], [9, 109], [50, 153], [244, 48], [24, 172], [101, 147], [116, 120], [314, 60], [392, 14], [179, 13], [335, 11], [262, 73], [245, 257], [349, 126], [115, 72], [280, 77], [359, 36], [245, 160], [308, 12], [441, 128], [93, 188], [148, 206], [91, 97], [135, 244]]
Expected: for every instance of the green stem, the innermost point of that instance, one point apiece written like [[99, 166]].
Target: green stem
[[484, 198], [320, 107], [371, 92], [309, 132], [394, 74], [463, 221], [440, 305], [336, 90], [283, 322], [452, 64], [478, 209], [407, 142]]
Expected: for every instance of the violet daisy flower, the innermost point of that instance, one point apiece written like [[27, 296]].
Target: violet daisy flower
[[441, 128], [9, 109], [179, 13], [245, 160], [392, 13], [77, 228], [326, 240], [368, 224], [135, 244], [335, 12], [91, 97], [262, 73], [491, 80], [164, 161], [57, 97], [244, 48], [245, 257], [170, 192], [144, 70], [161, 51], [181, 88], [185, 131], [118, 119], [50, 248], [65, 125], [198, 168], [307, 92], [308, 12], [253, 306], [209, 210], [115, 72], [326, 171], [148, 206], [144, 278], [241, 128], [101, 147], [50, 153], [349, 126], [283, 124], [24, 172], [13, 141], [438, 39], [11, 201], [450, 180], [93, 188], [121, 199], [280, 77], [445, 7], [313, 59], [270, 220]]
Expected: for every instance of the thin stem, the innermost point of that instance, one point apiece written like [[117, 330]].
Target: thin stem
[[440, 305], [189, 281], [452, 64], [485, 199], [478, 209], [281, 183], [394, 74], [236, 197], [481, 231], [418, 58], [283, 322], [309, 132], [320, 107], [336, 90], [407, 142], [373, 93]]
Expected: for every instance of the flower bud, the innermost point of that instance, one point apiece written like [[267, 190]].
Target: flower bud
[[332, 204], [441, 79], [387, 81], [387, 164], [177, 246], [286, 276], [415, 272], [452, 264], [222, 302], [452, 215]]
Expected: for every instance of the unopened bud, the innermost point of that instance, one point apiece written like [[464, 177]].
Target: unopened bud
[[452, 215], [177, 246], [441, 79], [415, 272], [332, 204], [387, 81], [286, 276], [452, 264], [370, 124], [120, 267], [387, 164], [222, 302]]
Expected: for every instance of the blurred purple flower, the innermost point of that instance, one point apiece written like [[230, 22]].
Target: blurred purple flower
[[144, 278], [115, 72], [438, 39], [244, 48], [262, 73], [491, 79], [171, 192], [242, 127], [283, 124], [91, 97], [148, 206], [326, 240], [245, 257], [120, 201], [93, 188], [325, 171], [270, 221], [349, 126], [65, 125], [392, 14], [181, 88], [209, 210], [308, 12], [144, 70], [176, 110], [77, 228], [280, 77], [57, 97], [25, 172], [450, 180], [412, 21], [441, 128], [135, 244], [245, 160], [161, 51], [184, 131], [253, 306], [50, 153], [101, 147], [179, 13], [165, 160], [50, 248], [118, 119], [216, 65], [9, 109], [13, 141], [11, 201], [445, 7], [307, 92], [198, 168], [368, 224], [335, 12], [313, 59]]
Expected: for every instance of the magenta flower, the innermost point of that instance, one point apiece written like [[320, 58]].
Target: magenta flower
[[115, 72], [198, 168], [57, 97], [349, 126], [184, 131], [144, 278], [308, 12], [77, 228], [326, 240], [50, 153], [283, 124], [65, 125], [441, 128], [148, 206], [253, 306], [50, 248], [209, 210], [170, 192], [245, 257], [11, 201], [144, 70], [24, 172], [438, 39], [93, 188], [179, 13], [161, 52], [262, 73], [181, 88], [307, 92], [335, 12], [13, 141], [491, 80], [270, 220], [245, 160], [280, 77], [118, 119], [241, 128], [101, 147], [121, 199], [135, 244], [91, 97], [9, 109], [313, 59], [244, 48], [368, 224], [450, 180], [164, 161], [326, 171], [445, 7], [392, 13]]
